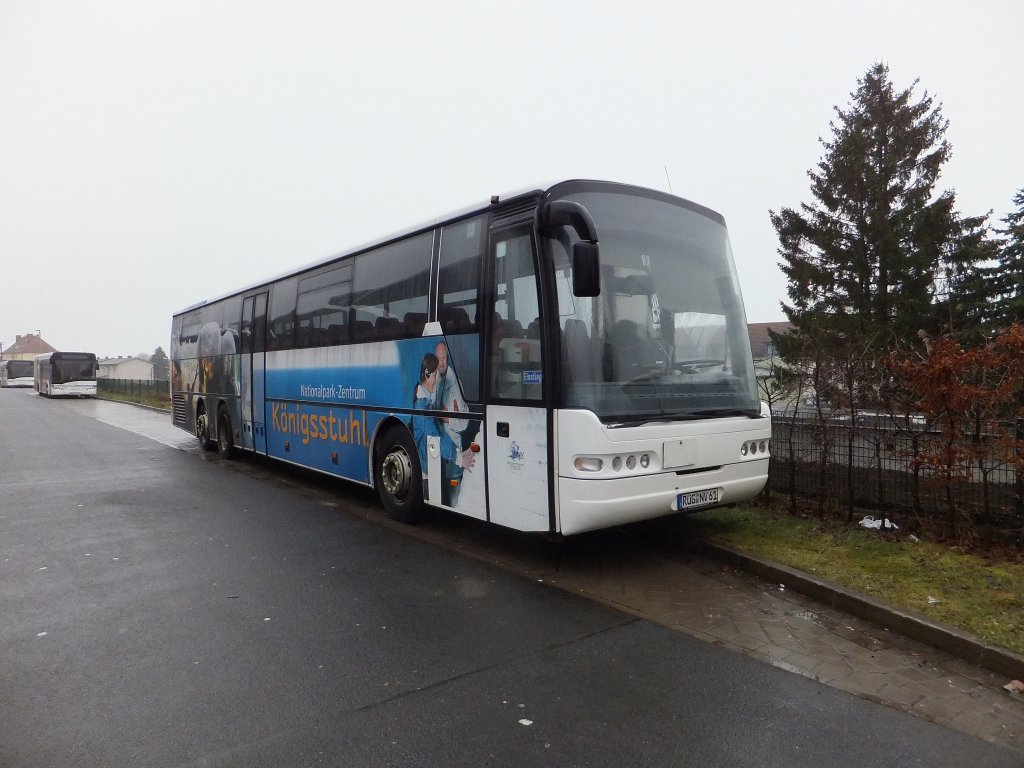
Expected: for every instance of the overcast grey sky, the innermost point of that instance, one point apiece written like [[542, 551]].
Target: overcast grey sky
[[154, 154]]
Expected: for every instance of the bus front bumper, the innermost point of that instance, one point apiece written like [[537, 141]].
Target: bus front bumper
[[586, 505]]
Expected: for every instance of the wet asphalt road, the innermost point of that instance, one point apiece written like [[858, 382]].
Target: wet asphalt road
[[159, 608]]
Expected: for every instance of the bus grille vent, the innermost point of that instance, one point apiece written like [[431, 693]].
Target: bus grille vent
[[516, 213], [179, 410]]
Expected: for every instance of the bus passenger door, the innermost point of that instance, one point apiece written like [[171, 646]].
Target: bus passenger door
[[253, 344], [516, 443]]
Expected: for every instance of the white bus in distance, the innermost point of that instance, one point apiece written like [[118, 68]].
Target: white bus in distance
[[66, 374], [16, 373]]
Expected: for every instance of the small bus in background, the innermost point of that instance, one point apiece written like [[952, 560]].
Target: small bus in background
[[16, 373], [563, 359], [66, 374]]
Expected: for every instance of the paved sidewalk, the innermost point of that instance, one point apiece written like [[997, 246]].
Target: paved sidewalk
[[645, 571]]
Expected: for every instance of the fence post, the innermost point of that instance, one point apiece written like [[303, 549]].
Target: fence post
[[1019, 496]]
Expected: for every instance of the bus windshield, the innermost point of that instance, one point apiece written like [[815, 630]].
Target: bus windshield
[[17, 369], [73, 367], [667, 337]]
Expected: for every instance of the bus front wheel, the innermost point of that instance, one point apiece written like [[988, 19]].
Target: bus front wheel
[[225, 440], [399, 481]]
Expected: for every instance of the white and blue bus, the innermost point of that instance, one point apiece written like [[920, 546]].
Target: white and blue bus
[[559, 360], [65, 374], [16, 373]]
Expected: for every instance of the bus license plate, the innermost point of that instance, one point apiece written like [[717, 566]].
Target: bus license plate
[[695, 499]]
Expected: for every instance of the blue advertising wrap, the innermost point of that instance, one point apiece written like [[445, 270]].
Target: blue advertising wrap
[[323, 406]]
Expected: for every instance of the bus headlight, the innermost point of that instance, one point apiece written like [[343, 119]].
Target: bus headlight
[[645, 461], [617, 463], [588, 464], [743, 450]]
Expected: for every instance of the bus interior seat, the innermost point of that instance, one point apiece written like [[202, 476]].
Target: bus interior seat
[[413, 322], [456, 320], [362, 330], [387, 327], [533, 329], [498, 330], [336, 333], [577, 351]]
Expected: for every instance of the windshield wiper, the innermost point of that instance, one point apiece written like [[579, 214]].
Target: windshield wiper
[[727, 411], [656, 418], [650, 418]]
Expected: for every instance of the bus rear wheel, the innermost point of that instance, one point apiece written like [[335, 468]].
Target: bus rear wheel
[[399, 480], [225, 440], [203, 429]]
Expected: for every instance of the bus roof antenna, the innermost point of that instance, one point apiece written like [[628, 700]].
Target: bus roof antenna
[[669, 181]]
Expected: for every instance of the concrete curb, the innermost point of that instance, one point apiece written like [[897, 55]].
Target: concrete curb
[[137, 405], [900, 620]]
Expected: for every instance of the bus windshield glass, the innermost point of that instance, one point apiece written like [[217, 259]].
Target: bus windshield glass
[[72, 367], [17, 369], [667, 336]]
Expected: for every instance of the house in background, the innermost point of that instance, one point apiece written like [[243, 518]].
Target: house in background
[[25, 348], [761, 345], [767, 364], [134, 368]]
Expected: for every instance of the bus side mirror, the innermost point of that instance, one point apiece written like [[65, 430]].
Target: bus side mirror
[[586, 272]]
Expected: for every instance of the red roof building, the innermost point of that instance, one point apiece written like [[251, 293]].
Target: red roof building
[[25, 348], [761, 345]]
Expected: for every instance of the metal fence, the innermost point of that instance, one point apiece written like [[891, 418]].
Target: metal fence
[[136, 389], [878, 462]]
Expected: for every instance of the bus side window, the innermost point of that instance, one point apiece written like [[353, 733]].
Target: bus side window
[[458, 296], [245, 336], [281, 333], [259, 324], [392, 282]]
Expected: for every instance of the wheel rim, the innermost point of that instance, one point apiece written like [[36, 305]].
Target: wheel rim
[[201, 429], [396, 473]]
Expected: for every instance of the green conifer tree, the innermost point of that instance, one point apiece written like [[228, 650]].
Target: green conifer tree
[[160, 364], [864, 259], [1008, 276]]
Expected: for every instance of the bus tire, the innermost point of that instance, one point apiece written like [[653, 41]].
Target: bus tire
[[225, 439], [399, 480], [203, 428]]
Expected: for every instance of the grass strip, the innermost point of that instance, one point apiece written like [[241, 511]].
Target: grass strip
[[977, 592]]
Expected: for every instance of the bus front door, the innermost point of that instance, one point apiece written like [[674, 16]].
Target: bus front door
[[252, 364], [516, 443]]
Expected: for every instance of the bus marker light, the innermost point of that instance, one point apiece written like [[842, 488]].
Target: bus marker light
[[474, 447], [334, 457], [454, 483]]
